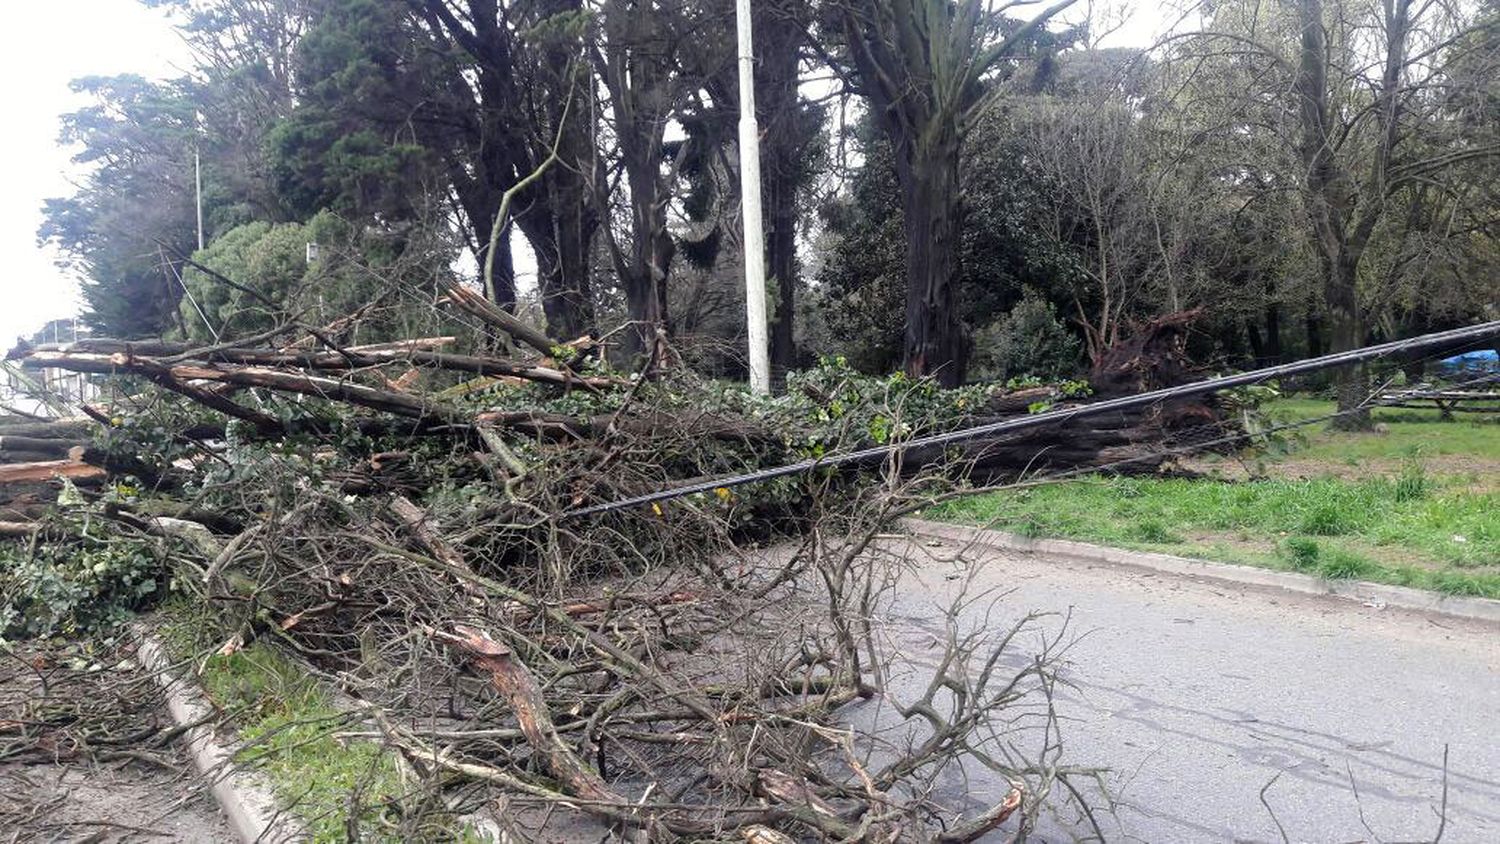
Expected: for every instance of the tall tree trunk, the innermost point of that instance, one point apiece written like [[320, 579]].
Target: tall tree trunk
[[565, 283], [651, 252], [637, 66], [1313, 325], [569, 297], [778, 39], [934, 340]]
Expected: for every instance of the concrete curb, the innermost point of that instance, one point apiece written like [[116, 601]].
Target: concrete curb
[[244, 797], [1399, 597]]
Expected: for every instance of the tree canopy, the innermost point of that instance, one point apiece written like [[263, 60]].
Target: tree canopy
[[940, 178]]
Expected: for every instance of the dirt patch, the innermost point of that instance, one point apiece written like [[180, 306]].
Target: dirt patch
[[1237, 541], [73, 802], [87, 753]]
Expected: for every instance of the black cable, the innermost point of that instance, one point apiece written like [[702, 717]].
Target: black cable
[[1227, 439], [1441, 339]]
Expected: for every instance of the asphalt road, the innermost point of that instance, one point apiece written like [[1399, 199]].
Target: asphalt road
[[1195, 696]]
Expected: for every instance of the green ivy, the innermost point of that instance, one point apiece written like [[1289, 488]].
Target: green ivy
[[78, 587]]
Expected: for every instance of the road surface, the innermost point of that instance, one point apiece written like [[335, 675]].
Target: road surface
[[1196, 696]]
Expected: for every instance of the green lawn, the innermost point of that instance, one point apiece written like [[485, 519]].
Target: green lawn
[[1414, 505]]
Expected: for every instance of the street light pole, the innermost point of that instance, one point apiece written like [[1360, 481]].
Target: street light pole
[[755, 243], [198, 172]]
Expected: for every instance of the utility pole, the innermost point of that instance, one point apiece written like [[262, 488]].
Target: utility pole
[[198, 172], [755, 242]]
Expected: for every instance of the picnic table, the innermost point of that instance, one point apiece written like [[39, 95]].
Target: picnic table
[[1448, 402]]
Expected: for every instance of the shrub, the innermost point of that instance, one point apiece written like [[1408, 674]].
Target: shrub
[[1030, 340]]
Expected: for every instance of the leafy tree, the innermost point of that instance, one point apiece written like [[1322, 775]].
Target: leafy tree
[[261, 275], [928, 69], [861, 282], [134, 210], [508, 89], [1350, 104]]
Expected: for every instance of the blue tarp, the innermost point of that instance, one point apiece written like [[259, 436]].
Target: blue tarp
[[1483, 360]]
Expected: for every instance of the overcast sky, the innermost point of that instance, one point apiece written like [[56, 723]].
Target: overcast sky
[[43, 46]]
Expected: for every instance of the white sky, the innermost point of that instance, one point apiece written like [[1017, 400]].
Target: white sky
[[43, 46]]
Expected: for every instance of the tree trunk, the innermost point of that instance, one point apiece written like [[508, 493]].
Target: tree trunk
[[1314, 328], [565, 283], [651, 252], [504, 275], [1257, 345], [638, 72], [934, 340], [778, 39], [1273, 334], [1347, 330], [561, 243]]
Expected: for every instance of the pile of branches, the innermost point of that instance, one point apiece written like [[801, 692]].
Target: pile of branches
[[398, 518]]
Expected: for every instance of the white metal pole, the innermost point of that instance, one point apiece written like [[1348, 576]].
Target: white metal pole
[[755, 242], [198, 172], [198, 191]]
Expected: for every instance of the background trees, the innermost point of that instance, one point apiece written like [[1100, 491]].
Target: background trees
[[943, 180]]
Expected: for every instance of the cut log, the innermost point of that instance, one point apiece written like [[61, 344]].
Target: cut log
[[38, 445], [49, 469]]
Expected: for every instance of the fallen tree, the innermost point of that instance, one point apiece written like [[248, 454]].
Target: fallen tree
[[398, 530]]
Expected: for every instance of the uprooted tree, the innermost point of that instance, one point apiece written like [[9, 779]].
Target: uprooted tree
[[397, 517]]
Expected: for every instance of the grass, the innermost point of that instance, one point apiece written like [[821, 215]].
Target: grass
[[1391, 520], [287, 722], [1407, 434]]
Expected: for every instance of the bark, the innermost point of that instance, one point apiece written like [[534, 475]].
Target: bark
[[415, 520], [563, 251], [400, 404], [1344, 214], [934, 343], [651, 247], [1257, 344], [47, 470], [50, 447], [638, 67], [501, 319], [355, 357], [921, 65], [778, 39], [515, 684], [1313, 326]]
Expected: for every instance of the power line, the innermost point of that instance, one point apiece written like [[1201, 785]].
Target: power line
[[1426, 342]]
